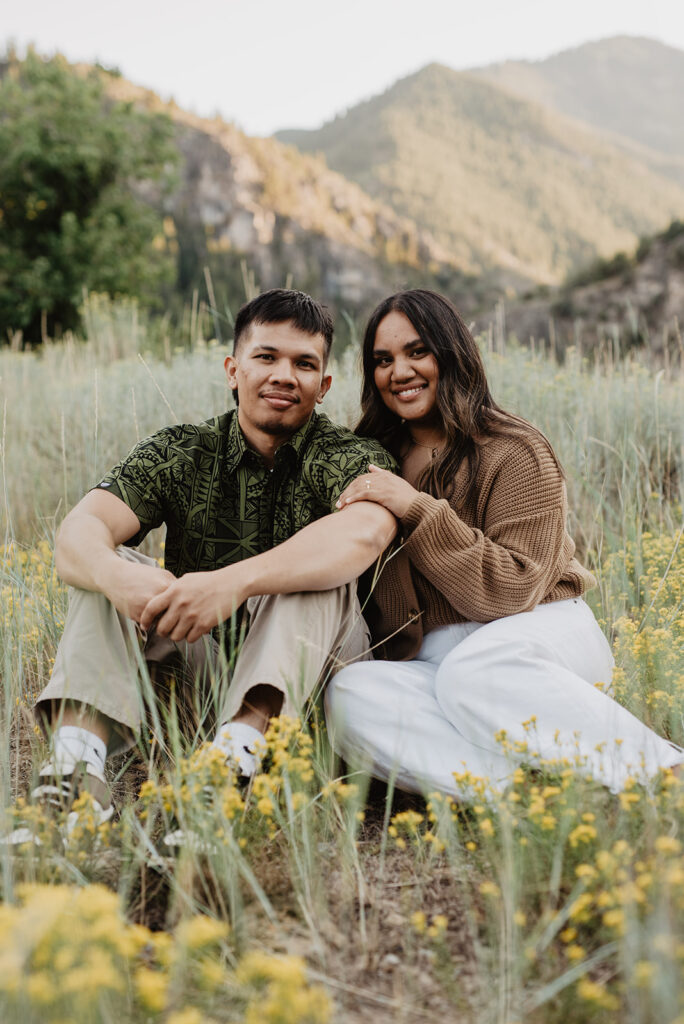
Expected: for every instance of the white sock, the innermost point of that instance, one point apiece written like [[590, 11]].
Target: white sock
[[71, 744], [236, 740]]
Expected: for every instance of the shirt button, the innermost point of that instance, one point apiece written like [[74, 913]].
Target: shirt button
[[414, 613]]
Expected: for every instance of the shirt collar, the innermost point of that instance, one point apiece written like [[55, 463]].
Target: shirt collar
[[236, 447], [295, 446]]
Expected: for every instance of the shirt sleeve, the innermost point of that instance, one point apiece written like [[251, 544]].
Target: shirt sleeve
[[510, 564], [330, 475], [140, 481]]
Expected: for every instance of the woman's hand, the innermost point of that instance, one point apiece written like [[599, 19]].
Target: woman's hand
[[382, 487]]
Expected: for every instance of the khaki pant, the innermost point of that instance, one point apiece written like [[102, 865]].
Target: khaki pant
[[293, 641]]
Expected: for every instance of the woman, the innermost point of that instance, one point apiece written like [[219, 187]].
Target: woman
[[493, 656]]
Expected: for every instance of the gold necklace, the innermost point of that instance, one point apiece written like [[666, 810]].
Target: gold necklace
[[433, 449]]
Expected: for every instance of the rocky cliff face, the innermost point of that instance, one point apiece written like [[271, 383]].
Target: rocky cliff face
[[286, 214], [640, 303]]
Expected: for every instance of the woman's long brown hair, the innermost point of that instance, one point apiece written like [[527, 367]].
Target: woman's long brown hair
[[466, 408]]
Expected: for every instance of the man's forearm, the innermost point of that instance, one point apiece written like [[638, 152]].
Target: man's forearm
[[86, 557], [326, 554], [84, 553]]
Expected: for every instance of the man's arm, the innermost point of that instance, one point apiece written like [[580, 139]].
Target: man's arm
[[85, 554], [326, 554]]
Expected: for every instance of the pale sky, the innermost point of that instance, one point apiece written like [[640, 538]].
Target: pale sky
[[270, 64]]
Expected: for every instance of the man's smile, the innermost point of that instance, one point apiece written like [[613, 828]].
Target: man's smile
[[279, 399]]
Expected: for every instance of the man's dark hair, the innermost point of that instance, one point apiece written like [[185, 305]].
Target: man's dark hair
[[280, 305]]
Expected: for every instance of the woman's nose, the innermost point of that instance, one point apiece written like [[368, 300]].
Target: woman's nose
[[402, 369]]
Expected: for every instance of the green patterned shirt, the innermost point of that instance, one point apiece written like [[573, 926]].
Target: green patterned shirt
[[219, 500]]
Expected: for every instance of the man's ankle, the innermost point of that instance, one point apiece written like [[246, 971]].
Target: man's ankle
[[82, 716], [260, 705]]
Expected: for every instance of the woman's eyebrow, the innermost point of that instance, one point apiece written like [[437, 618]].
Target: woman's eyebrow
[[405, 348]]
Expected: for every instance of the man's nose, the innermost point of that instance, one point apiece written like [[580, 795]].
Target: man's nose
[[283, 372]]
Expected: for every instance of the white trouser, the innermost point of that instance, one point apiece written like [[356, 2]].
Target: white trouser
[[421, 721]]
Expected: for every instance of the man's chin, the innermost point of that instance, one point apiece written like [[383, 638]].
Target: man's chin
[[277, 426]]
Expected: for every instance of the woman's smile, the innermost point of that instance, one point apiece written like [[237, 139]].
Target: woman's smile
[[406, 394]]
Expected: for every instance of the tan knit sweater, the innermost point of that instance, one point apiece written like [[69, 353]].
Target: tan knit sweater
[[505, 551]]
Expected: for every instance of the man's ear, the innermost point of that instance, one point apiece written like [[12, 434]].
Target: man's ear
[[230, 367], [325, 387]]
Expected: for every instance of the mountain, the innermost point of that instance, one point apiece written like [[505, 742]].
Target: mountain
[[498, 180], [631, 86], [258, 203]]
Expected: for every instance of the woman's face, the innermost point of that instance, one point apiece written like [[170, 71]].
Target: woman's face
[[406, 372]]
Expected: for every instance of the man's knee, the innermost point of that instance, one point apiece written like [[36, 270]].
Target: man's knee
[[313, 600]]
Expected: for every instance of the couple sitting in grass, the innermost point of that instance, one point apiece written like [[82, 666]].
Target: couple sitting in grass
[[475, 624]]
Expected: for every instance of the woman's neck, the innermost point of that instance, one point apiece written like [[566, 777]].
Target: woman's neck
[[426, 436]]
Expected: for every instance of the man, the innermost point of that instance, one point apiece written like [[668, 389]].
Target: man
[[248, 499]]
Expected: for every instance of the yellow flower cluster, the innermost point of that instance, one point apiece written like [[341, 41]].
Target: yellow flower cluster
[[68, 954], [32, 613], [436, 929], [285, 789], [649, 645], [204, 796], [284, 997]]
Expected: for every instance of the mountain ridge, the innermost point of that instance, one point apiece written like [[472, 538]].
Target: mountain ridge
[[603, 83], [497, 178]]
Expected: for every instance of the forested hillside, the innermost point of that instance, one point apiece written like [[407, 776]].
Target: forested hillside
[[500, 180]]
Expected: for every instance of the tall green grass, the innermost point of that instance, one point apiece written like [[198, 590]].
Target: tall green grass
[[557, 902]]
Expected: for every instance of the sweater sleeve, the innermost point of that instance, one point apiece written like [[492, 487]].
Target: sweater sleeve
[[510, 564]]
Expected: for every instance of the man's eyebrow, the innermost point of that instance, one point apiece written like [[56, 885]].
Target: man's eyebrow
[[300, 355]]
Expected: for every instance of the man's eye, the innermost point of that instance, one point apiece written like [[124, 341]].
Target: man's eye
[[307, 366], [264, 355]]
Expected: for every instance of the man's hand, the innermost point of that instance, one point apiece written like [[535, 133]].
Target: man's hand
[[131, 587], [192, 605]]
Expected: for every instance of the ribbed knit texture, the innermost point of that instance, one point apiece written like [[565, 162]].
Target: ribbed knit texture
[[504, 552]]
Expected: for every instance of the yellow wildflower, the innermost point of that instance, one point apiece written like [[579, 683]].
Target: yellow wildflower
[[201, 931]]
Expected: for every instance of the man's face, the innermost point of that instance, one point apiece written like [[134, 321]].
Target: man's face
[[279, 373]]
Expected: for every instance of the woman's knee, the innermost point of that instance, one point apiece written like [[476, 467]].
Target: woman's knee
[[474, 669]]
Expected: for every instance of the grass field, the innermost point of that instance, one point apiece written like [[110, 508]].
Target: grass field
[[318, 896]]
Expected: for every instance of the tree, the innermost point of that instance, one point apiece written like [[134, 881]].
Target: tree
[[70, 161]]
